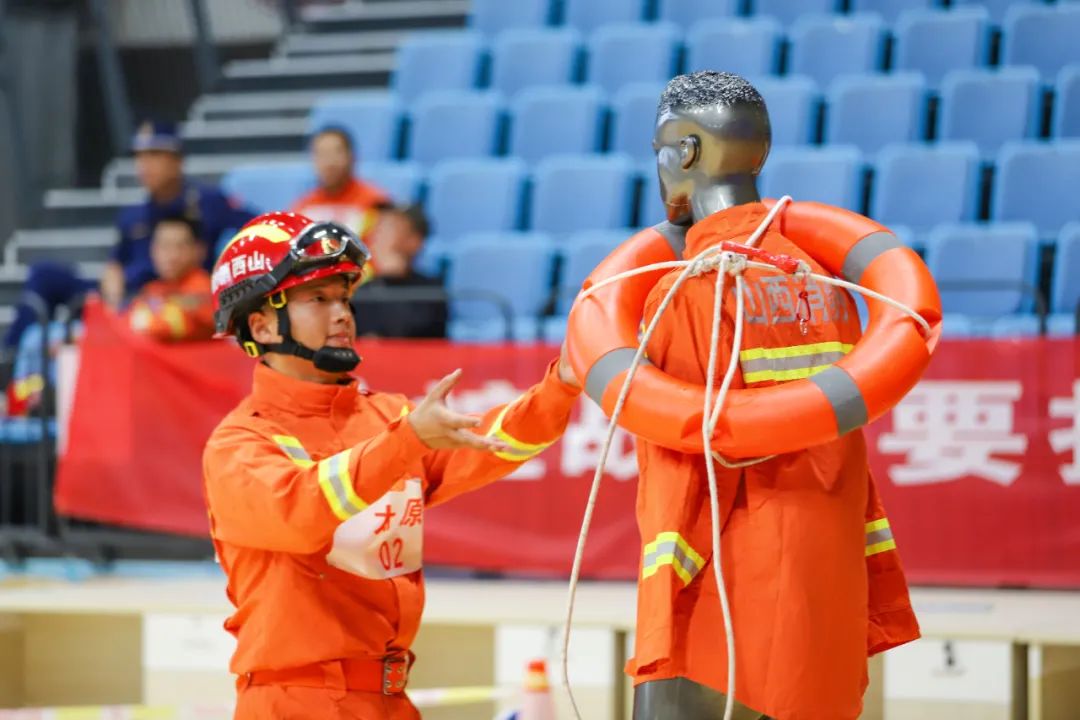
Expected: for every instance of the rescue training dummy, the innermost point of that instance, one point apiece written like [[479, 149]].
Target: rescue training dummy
[[811, 570], [317, 489]]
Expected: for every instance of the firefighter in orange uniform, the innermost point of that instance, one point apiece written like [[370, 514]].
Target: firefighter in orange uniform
[[811, 568], [317, 489]]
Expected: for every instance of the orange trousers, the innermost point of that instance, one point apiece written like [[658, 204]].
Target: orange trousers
[[280, 702]]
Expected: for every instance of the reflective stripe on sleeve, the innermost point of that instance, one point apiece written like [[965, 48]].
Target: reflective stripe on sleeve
[[670, 548], [337, 485], [518, 451]]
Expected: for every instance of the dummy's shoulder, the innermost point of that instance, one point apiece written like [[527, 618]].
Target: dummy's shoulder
[[674, 234]]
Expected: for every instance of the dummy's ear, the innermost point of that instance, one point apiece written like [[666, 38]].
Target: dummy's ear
[[689, 149], [263, 326]]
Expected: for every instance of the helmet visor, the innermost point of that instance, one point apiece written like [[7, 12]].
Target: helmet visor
[[324, 244]]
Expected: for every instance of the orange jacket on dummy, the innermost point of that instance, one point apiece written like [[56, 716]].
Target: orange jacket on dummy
[[174, 311], [316, 496], [811, 569]]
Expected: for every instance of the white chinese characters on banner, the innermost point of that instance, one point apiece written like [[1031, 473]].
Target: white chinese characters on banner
[[1067, 439], [584, 440], [954, 429]]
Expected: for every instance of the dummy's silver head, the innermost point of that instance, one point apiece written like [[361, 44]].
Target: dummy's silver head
[[712, 137]]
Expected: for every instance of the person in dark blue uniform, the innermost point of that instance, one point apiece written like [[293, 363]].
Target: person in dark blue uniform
[[159, 164]]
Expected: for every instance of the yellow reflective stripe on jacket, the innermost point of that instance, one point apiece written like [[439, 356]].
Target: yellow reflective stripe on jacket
[[518, 451], [336, 483], [879, 537], [790, 363], [670, 548], [292, 447]]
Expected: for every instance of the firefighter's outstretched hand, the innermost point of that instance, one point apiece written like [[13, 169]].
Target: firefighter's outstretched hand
[[439, 427]]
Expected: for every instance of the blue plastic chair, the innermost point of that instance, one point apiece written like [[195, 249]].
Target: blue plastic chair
[[373, 120], [624, 54], [269, 186], [556, 120], [437, 60], [582, 192], [825, 47], [475, 195], [451, 124], [534, 56], [936, 42]]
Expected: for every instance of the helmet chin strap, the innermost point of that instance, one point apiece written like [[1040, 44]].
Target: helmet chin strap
[[327, 358]]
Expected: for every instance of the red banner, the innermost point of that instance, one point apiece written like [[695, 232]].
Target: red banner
[[976, 466]]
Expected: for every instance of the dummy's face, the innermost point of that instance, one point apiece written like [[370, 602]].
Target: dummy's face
[[159, 171], [174, 251], [672, 153], [332, 159]]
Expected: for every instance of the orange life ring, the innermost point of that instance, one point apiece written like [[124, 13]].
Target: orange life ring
[[885, 364]]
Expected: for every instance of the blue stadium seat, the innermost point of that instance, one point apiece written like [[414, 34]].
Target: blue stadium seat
[[1065, 287], [1066, 122], [650, 205], [400, 180], [920, 186], [580, 256], [454, 124], [1061, 325], [789, 11], [494, 16], [269, 186], [688, 13], [935, 42], [582, 192], [989, 106], [1015, 326], [476, 195], [634, 119], [1046, 37], [1039, 183], [623, 54], [515, 269], [830, 175], [749, 47], [982, 270], [372, 119], [534, 56], [793, 108], [996, 8], [556, 120], [432, 258], [890, 9], [824, 47], [588, 15], [871, 111], [438, 60]]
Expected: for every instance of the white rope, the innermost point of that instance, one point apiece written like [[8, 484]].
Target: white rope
[[723, 262]]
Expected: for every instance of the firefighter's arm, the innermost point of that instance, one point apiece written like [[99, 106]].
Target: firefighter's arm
[[527, 426], [260, 496], [892, 619]]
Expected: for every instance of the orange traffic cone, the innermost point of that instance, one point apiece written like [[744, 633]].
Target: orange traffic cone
[[537, 703]]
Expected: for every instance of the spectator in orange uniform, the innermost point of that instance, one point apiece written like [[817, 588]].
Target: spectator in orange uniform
[[317, 489], [178, 305], [341, 197]]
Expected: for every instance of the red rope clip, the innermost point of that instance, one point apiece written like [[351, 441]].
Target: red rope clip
[[783, 262]]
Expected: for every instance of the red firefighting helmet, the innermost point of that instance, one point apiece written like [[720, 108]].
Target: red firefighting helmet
[[274, 252]]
